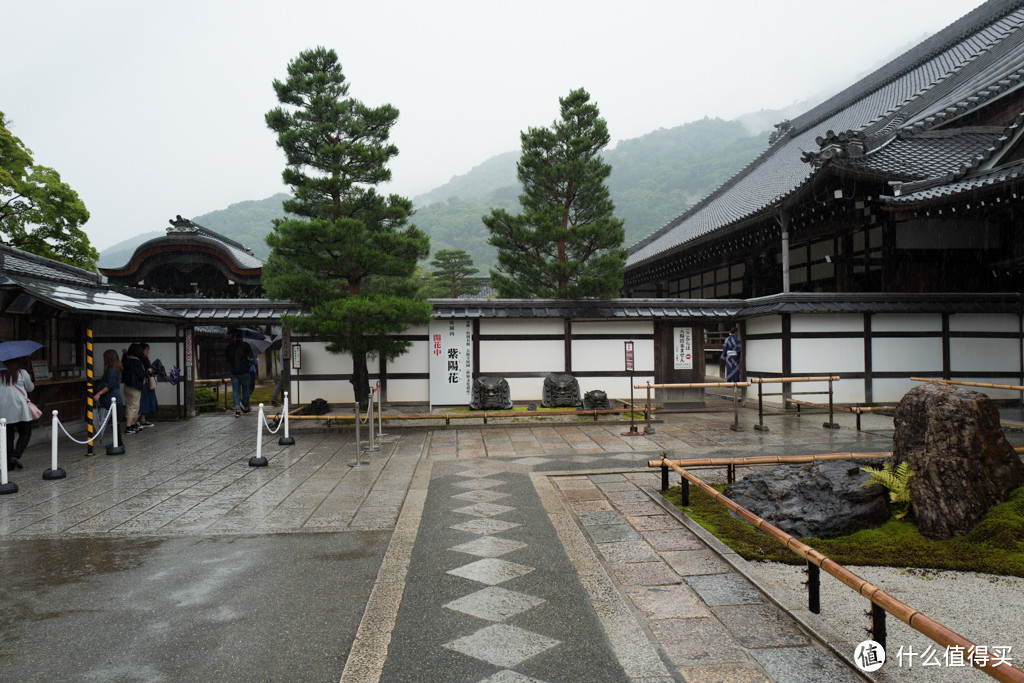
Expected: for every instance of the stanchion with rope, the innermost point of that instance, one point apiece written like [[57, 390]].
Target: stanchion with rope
[[380, 410], [258, 460], [114, 448], [5, 485], [54, 472], [369, 413], [287, 439]]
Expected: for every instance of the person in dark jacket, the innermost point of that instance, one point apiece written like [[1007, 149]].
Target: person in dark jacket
[[147, 403], [134, 373], [239, 356]]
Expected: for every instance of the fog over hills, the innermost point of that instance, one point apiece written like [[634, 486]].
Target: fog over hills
[[654, 178]]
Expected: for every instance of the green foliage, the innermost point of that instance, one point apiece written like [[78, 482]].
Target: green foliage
[[896, 481], [38, 212], [565, 242], [451, 278], [994, 546], [346, 256]]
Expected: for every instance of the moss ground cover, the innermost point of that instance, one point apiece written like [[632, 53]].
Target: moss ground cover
[[994, 546]]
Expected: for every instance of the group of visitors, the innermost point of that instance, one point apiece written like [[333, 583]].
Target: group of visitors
[[15, 385], [137, 400]]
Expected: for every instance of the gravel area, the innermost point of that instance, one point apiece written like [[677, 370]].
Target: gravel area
[[987, 610]]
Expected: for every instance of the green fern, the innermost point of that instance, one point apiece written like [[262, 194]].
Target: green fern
[[896, 481]]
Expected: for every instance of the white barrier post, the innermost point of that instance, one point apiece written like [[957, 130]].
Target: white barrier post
[[115, 448], [285, 440], [54, 472], [5, 486], [380, 410], [258, 460]]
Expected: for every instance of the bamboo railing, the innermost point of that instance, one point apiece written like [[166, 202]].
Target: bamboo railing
[[879, 598]]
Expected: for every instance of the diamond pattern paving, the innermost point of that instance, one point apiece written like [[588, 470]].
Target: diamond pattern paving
[[494, 603], [488, 546], [502, 645], [491, 571], [485, 527]]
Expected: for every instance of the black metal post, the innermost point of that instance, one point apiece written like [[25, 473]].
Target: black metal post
[[684, 491], [664, 477], [760, 426], [813, 588], [878, 624], [831, 424]]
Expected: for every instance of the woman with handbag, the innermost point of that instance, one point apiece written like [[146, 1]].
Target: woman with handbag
[[109, 387], [14, 405], [147, 402]]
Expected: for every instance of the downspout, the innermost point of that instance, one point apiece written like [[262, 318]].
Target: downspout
[[784, 223]]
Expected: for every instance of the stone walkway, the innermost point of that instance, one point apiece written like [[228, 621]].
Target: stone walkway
[[513, 553]]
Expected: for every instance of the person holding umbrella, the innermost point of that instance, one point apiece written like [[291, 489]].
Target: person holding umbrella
[[14, 407]]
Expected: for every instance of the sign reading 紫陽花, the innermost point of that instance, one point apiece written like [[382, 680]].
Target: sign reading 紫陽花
[[451, 362]]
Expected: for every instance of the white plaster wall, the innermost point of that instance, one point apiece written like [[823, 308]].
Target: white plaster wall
[[415, 359], [336, 392], [844, 322], [890, 391], [409, 390], [906, 354], [763, 355], [893, 322], [984, 355], [610, 355], [827, 356], [767, 325], [498, 357], [971, 322], [626, 328], [522, 326]]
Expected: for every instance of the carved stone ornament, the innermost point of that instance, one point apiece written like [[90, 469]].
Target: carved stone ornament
[[491, 393], [561, 391]]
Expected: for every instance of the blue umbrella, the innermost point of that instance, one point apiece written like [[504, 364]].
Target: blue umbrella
[[18, 349]]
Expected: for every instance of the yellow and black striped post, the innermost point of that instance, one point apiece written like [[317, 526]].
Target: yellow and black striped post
[[88, 391]]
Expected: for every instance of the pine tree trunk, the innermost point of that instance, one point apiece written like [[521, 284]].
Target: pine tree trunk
[[360, 378]]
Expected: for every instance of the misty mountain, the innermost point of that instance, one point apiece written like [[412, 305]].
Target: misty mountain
[[654, 178], [246, 222]]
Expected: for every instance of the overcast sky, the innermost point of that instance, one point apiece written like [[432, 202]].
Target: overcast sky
[[154, 109]]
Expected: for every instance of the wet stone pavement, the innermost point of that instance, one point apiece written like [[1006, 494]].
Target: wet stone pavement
[[500, 553]]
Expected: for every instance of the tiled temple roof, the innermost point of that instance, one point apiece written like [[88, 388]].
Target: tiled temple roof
[[974, 60]]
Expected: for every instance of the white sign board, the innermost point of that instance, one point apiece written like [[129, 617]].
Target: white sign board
[[451, 362], [682, 347]]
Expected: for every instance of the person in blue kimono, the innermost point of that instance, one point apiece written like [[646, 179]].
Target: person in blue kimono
[[731, 353]]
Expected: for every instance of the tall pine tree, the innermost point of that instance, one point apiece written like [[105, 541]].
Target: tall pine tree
[[565, 242], [450, 279], [345, 254]]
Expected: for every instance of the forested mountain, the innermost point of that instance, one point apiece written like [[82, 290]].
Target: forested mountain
[[654, 179]]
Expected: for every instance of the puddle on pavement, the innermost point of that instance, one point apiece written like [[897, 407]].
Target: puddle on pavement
[[40, 564]]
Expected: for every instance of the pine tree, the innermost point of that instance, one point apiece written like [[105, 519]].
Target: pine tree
[[451, 277], [565, 242], [40, 213], [345, 254]]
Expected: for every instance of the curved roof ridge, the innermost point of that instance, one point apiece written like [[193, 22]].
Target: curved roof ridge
[[944, 40]]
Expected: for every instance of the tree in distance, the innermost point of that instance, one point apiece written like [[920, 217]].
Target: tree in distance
[[565, 243], [345, 254], [38, 212], [450, 278]]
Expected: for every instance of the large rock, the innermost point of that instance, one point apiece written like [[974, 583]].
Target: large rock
[[822, 499], [962, 463]]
